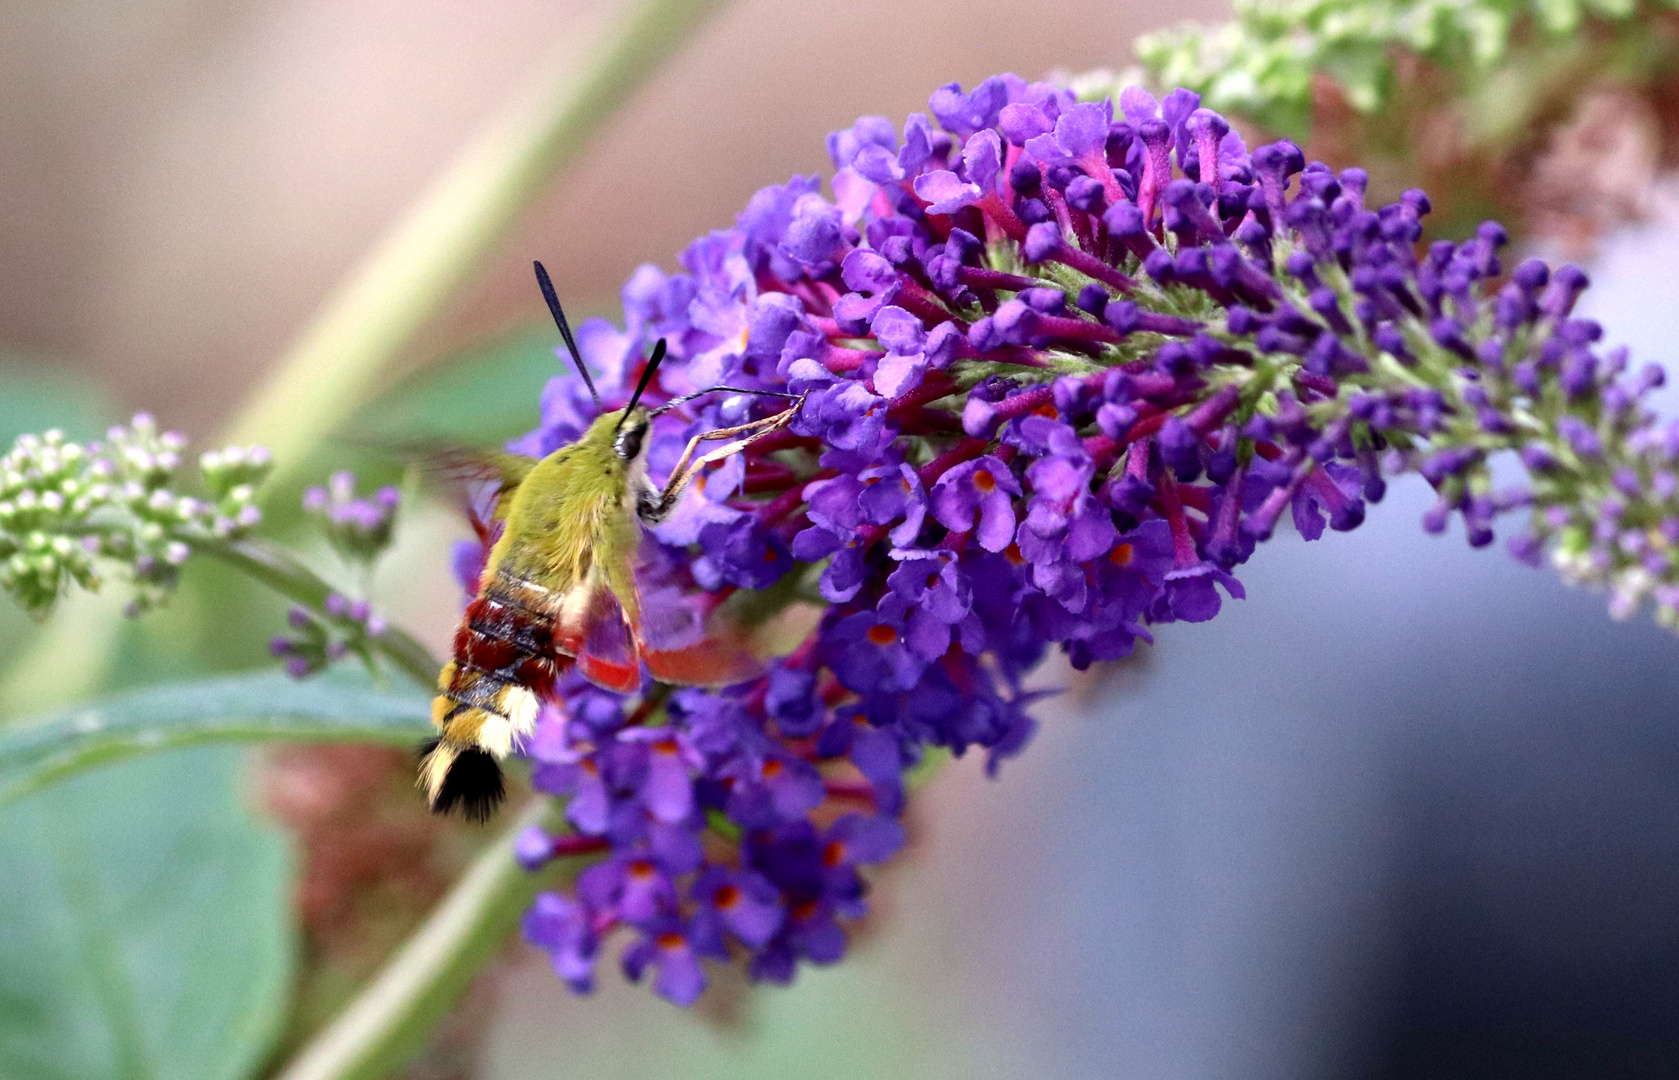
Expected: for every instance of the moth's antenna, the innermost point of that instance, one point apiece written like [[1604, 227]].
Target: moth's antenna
[[685, 398], [549, 295], [646, 377]]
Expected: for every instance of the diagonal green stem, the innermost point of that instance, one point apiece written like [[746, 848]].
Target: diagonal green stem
[[392, 1016], [398, 286], [404, 280], [280, 571]]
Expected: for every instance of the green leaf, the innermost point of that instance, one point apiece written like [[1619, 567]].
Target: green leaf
[[481, 396], [35, 397], [146, 934], [343, 706]]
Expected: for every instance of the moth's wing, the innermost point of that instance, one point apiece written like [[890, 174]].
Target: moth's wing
[[610, 647], [683, 647], [671, 617], [468, 470], [463, 465], [719, 660], [594, 629]]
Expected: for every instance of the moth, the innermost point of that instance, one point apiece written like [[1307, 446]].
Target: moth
[[559, 587]]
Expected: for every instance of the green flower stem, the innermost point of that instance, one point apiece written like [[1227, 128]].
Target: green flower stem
[[280, 571], [403, 282], [393, 1015]]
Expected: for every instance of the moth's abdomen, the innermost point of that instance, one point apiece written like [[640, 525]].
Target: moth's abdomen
[[488, 695], [504, 666], [461, 776]]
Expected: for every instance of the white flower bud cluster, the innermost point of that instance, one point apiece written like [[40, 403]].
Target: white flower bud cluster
[[69, 513]]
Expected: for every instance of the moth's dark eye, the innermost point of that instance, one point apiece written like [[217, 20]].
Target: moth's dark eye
[[628, 445]]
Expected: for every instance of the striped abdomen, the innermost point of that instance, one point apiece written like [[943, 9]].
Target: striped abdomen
[[488, 696]]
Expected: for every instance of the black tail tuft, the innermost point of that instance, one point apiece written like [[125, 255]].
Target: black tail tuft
[[473, 783]]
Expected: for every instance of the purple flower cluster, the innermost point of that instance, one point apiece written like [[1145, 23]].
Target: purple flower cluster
[[317, 641], [1065, 363], [359, 529]]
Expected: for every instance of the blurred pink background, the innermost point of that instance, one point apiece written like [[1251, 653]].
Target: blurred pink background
[[184, 181]]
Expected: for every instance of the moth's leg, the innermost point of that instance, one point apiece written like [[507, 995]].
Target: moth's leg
[[766, 425], [768, 422], [679, 481], [655, 509]]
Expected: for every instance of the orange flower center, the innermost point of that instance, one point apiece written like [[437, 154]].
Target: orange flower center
[[726, 897], [881, 634], [985, 482], [1121, 555], [834, 853]]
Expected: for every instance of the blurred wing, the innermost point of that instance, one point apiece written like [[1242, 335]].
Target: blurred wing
[[594, 629], [681, 648], [461, 465], [720, 660], [610, 648], [458, 466]]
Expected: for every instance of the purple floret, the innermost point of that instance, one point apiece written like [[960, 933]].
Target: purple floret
[[1064, 366]]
